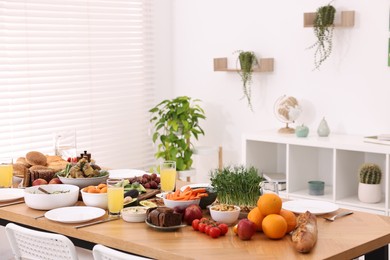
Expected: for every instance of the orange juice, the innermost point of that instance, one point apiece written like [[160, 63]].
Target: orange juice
[[6, 174], [168, 179], [115, 199]]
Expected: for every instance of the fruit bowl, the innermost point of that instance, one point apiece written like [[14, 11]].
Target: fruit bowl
[[84, 182], [228, 217], [63, 195], [178, 204], [95, 199]]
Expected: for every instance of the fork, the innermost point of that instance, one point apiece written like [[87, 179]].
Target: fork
[[338, 215]]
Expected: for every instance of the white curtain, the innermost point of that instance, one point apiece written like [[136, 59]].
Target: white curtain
[[77, 64]]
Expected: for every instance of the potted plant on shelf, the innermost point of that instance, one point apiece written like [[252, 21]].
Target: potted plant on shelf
[[370, 176], [176, 121], [323, 30], [248, 61]]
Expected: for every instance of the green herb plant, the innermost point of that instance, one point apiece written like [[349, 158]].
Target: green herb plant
[[323, 30], [247, 60], [237, 185], [176, 121]]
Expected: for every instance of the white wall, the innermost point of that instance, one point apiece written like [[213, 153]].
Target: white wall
[[351, 90]]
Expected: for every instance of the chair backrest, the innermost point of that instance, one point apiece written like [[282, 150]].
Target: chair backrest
[[33, 244], [101, 252]]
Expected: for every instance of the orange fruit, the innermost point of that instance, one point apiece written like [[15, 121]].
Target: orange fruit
[[93, 189], [290, 218], [101, 185], [103, 190], [269, 203], [274, 226], [235, 229], [256, 217]]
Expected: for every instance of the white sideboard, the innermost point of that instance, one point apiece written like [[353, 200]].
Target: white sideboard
[[335, 160]]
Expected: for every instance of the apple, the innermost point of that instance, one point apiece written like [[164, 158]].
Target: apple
[[246, 229], [55, 181], [39, 181], [192, 212], [301, 131]]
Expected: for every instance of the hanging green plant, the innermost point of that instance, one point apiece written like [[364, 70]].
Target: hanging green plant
[[247, 60], [323, 30]]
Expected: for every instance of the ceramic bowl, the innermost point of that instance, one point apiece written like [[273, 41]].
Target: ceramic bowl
[[204, 201], [134, 214], [227, 217], [181, 204], [95, 199], [84, 182], [63, 195]]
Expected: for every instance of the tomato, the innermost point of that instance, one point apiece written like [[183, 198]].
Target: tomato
[[204, 220], [214, 232], [195, 224], [224, 229], [201, 227], [207, 229]]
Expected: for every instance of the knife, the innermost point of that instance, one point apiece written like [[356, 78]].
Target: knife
[[12, 203], [96, 222]]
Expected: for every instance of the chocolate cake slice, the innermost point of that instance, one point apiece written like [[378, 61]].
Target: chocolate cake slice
[[163, 217]]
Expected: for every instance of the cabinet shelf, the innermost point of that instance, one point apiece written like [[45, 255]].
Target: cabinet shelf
[[265, 65], [335, 160], [347, 19]]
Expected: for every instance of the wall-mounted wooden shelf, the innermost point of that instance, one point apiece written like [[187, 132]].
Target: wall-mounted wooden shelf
[[265, 65], [347, 19]]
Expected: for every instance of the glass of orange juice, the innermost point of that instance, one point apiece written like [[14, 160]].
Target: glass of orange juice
[[6, 172], [115, 193], [168, 176]]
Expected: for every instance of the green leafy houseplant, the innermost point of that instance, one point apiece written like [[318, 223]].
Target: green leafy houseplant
[[323, 30], [237, 185], [175, 122], [247, 61]]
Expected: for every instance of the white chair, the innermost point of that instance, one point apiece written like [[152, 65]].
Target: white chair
[[101, 252], [33, 244]]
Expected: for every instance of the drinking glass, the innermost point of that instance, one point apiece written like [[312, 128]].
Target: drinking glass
[[168, 176], [6, 172], [65, 144], [115, 192]]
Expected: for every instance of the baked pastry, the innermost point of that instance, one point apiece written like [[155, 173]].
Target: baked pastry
[[57, 166], [36, 158], [22, 160], [53, 158], [163, 217], [19, 170], [304, 236]]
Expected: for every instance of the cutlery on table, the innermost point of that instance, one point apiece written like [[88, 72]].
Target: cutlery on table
[[338, 215], [96, 222], [11, 203]]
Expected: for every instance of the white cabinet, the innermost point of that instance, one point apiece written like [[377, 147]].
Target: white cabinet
[[335, 160]]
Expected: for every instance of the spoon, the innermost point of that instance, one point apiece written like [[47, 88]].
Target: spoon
[[338, 215], [43, 190]]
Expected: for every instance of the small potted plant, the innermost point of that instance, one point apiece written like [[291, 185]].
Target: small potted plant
[[176, 121], [323, 30], [248, 61], [370, 176]]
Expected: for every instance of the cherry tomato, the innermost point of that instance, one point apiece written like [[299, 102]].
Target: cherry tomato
[[201, 227], [214, 232], [195, 224], [224, 229], [207, 229], [204, 220]]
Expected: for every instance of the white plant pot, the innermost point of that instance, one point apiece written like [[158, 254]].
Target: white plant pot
[[370, 193], [186, 175]]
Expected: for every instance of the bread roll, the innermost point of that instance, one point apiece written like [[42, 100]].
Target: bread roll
[[19, 170], [22, 160], [36, 158], [305, 234]]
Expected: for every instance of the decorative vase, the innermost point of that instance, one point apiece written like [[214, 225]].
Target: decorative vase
[[369, 193], [323, 129]]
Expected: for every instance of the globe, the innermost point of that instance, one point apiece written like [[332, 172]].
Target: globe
[[287, 110]]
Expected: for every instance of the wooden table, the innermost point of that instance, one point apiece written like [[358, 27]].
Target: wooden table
[[346, 238]]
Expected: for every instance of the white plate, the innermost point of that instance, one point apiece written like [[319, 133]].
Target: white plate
[[7, 194], [76, 214], [316, 207], [125, 173], [196, 185]]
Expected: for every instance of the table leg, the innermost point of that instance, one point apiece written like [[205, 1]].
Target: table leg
[[378, 254]]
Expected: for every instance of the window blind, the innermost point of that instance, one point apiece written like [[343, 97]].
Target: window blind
[[77, 64]]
